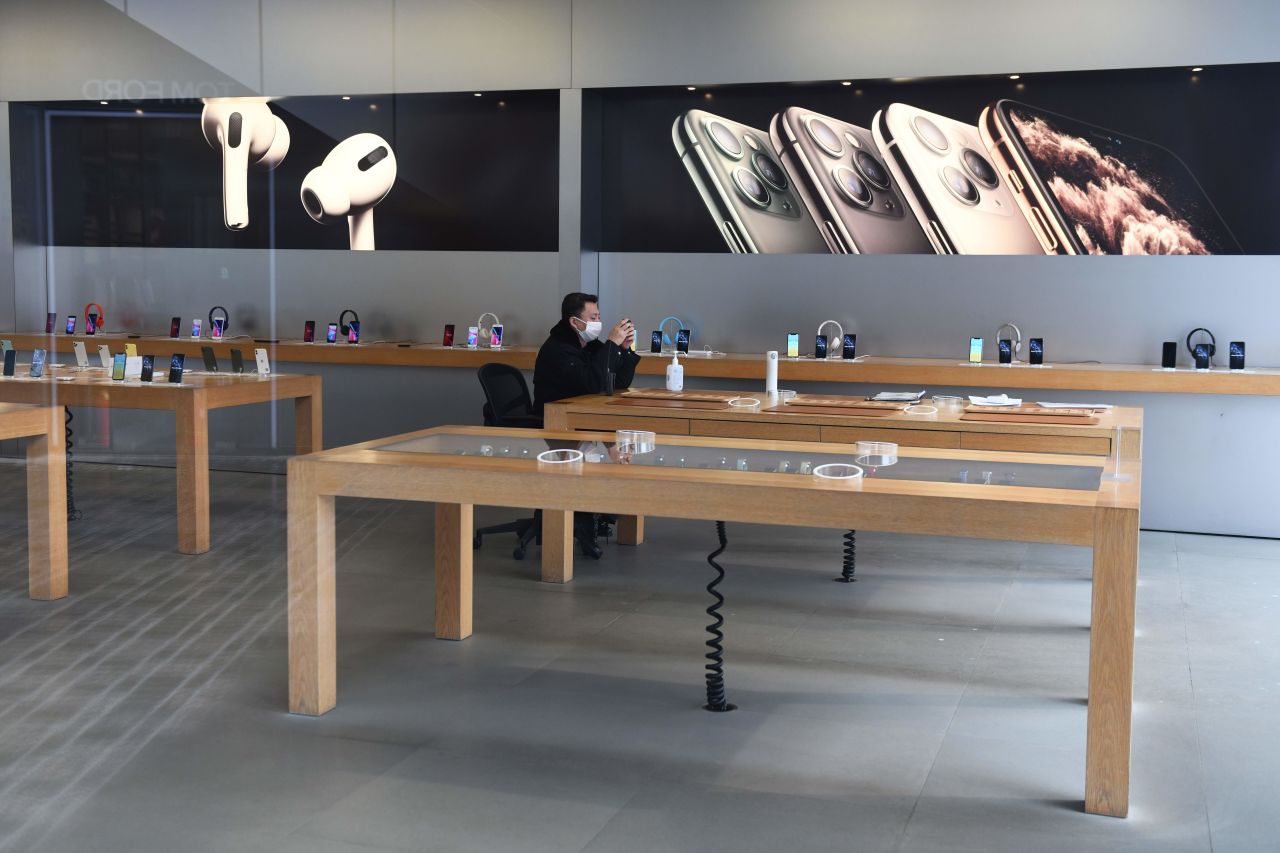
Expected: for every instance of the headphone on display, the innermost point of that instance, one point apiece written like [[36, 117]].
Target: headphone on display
[[226, 318], [102, 315], [342, 326], [1213, 342]]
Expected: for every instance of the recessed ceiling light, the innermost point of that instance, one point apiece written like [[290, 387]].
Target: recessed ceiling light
[[846, 82], [1197, 68], [692, 88], [346, 97], [139, 112], [104, 103], [479, 94], [373, 107], [1014, 76]]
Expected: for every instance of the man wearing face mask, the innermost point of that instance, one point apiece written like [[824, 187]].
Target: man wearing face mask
[[577, 360]]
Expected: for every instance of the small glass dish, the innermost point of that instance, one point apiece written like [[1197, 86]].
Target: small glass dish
[[921, 411], [877, 454], [560, 457], [633, 441], [785, 394], [838, 471], [744, 404]]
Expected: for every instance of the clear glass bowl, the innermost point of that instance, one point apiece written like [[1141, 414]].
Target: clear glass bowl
[[877, 454], [633, 441], [838, 471]]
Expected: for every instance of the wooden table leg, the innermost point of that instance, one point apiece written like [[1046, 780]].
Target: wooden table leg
[[557, 546], [47, 513], [630, 529], [307, 424], [313, 652], [193, 474], [453, 571], [1115, 581]]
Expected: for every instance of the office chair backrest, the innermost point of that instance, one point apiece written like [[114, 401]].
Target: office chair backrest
[[506, 394]]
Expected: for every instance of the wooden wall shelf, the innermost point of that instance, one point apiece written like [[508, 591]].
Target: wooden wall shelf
[[929, 373]]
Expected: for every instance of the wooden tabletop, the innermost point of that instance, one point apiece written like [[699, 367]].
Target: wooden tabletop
[[71, 386], [875, 370], [22, 421]]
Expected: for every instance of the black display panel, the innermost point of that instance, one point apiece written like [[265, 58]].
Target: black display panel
[[1192, 144], [470, 173]]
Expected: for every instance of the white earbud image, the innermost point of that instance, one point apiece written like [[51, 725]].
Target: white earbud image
[[357, 174], [248, 133]]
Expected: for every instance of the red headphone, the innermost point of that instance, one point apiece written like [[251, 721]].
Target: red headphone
[[101, 315]]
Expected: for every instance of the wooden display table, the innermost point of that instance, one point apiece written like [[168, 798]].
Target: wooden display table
[[190, 401], [1021, 497], [932, 373], [42, 427], [709, 413]]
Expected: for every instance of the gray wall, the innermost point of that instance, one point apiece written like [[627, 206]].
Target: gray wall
[[1199, 450]]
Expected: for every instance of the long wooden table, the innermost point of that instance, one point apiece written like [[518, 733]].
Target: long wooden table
[[425, 466], [875, 370], [190, 401], [46, 463], [707, 412]]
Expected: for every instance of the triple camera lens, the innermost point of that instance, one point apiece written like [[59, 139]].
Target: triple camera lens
[[751, 186], [725, 139], [749, 181], [960, 185], [852, 186]]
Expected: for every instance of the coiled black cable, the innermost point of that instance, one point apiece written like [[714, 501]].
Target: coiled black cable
[[715, 657], [73, 514], [850, 558]]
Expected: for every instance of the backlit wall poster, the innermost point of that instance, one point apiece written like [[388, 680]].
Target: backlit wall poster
[[459, 171], [1171, 161]]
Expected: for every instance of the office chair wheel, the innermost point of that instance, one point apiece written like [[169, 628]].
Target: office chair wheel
[[475, 542], [518, 552]]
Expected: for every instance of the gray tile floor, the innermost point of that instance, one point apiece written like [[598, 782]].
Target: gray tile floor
[[935, 705]]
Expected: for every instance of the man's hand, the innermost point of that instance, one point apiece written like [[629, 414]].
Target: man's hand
[[621, 332]]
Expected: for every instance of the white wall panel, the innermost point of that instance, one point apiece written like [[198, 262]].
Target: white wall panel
[[658, 42], [223, 34], [320, 47], [456, 45]]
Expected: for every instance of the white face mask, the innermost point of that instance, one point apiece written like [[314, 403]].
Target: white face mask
[[592, 332]]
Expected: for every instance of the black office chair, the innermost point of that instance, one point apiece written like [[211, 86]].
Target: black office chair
[[508, 404]]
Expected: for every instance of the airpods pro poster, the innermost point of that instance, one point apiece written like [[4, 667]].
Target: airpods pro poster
[[456, 171], [1174, 161]]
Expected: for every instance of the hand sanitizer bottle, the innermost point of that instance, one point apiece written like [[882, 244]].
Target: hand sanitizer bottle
[[675, 374]]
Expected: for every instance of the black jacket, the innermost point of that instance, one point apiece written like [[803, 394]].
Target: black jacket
[[565, 368]]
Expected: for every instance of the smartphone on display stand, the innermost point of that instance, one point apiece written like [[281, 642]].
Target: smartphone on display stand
[[962, 202], [309, 332], [682, 340], [148, 367], [104, 356], [82, 356], [754, 205], [237, 361], [1169, 355], [264, 365], [473, 336], [975, 350], [495, 336], [71, 324], [849, 346], [1006, 350], [175, 327], [655, 342], [37, 364], [176, 364], [218, 324], [448, 335], [91, 324], [1236, 355], [1036, 353], [117, 367], [50, 320], [353, 332], [10, 361], [793, 345], [331, 334], [845, 186], [195, 328], [820, 346], [210, 360], [1202, 356]]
